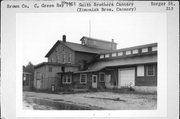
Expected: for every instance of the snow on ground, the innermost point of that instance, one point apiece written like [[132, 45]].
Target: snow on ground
[[105, 100]]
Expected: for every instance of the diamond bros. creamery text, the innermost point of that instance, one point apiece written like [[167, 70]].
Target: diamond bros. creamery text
[[105, 6]]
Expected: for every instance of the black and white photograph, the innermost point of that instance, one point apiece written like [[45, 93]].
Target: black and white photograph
[[89, 59], [96, 62]]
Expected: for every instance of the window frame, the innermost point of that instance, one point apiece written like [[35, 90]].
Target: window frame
[[63, 58], [65, 79], [114, 55], [100, 76], [120, 53], [69, 57], [81, 79], [107, 55], [50, 68], [144, 49], [128, 52], [102, 56], [154, 72], [138, 71], [154, 48], [134, 51]]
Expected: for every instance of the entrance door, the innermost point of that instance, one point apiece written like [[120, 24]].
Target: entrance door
[[126, 77], [94, 81], [38, 84]]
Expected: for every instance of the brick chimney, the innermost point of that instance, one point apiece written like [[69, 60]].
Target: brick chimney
[[64, 38]]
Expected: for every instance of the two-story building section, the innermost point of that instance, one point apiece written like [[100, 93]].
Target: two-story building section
[[97, 64]]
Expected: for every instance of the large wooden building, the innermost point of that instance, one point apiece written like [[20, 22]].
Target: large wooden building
[[96, 64]]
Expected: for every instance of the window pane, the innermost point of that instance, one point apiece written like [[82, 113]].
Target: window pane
[[145, 50], [150, 70], [128, 52], [140, 70], [135, 51], [120, 53], [113, 54]]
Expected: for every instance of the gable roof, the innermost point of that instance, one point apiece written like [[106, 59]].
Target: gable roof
[[90, 38], [76, 47]]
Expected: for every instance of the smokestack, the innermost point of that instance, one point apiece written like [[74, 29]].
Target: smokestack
[[64, 38], [112, 40]]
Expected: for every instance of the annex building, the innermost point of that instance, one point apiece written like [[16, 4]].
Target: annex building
[[96, 64]]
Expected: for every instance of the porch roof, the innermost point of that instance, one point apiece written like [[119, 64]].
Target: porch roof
[[90, 70]]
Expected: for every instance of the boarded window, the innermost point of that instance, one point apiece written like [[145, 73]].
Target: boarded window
[[63, 58], [106, 55], [140, 70], [83, 78], [101, 56], [101, 77], [114, 54], [120, 53], [50, 69], [69, 57], [128, 52], [154, 48], [144, 50], [150, 70], [135, 51]]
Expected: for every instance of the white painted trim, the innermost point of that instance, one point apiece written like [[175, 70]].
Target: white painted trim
[[85, 79]]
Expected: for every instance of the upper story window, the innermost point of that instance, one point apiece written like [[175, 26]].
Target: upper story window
[[135, 51], [101, 56], [150, 70], [114, 54], [69, 58], [83, 78], [101, 76], [144, 50], [50, 69], [120, 53], [63, 48], [63, 58], [106, 55], [128, 52], [154, 48]]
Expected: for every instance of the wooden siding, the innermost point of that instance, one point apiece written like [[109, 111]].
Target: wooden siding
[[57, 55], [146, 80]]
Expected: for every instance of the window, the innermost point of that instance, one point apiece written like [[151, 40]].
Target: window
[[63, 49], [144, 50], [128, 52], [101, 56], [140, 70], [101, 77], [83, 78], [120, 53], [135, 51], [154, 48], [150, 71], [67, 79], [63, 58], [114, 54], [69, 58], [50, 69], [106, 55]]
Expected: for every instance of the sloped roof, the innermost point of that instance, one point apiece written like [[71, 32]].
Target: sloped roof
[[76, 47], [131, 48], [90, 38]]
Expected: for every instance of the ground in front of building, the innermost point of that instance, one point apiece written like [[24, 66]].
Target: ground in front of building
[[89, 101]]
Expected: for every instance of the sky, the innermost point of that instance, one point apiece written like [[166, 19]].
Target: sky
[[40, 31]]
